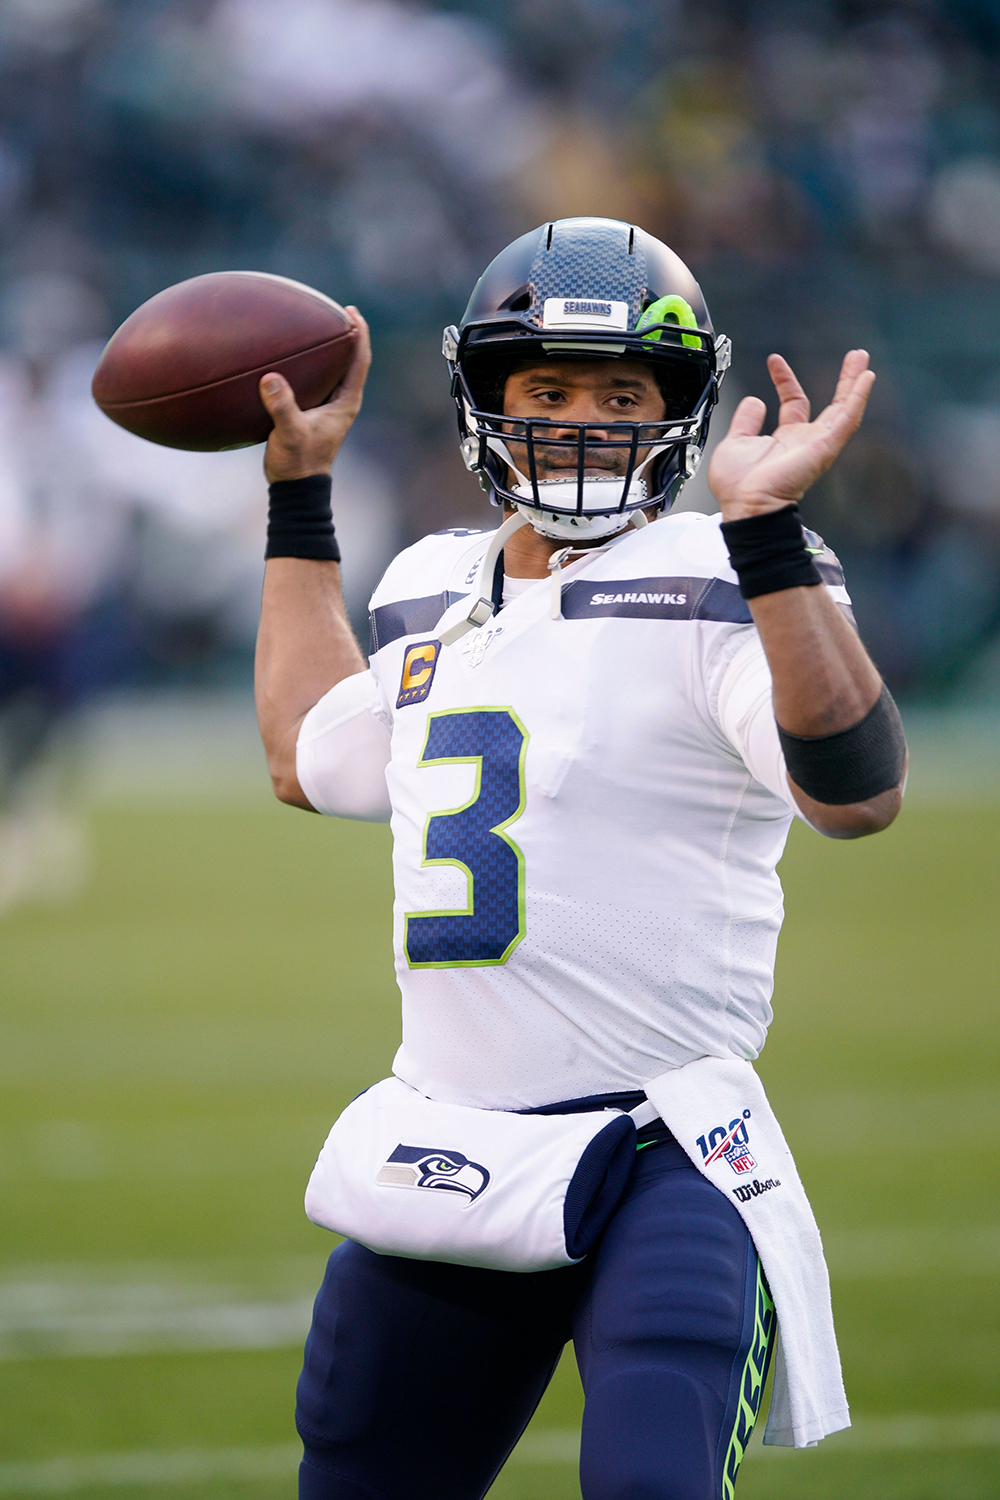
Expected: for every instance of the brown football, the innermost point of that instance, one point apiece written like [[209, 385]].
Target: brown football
[[183, 370]]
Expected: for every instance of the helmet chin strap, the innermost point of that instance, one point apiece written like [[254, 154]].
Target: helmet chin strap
[[481, 611], [636, 518], [482, 608]]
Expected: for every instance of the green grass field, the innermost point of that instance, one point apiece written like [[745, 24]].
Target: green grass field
[[176, 1043]]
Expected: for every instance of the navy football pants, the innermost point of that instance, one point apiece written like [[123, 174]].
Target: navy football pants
[[419, 1377]]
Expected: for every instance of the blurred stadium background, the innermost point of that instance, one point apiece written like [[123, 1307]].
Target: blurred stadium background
[[195, 980]]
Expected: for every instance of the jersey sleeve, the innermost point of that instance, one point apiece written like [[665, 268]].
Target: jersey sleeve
[[343, 750], [830, 570], [746, 718]]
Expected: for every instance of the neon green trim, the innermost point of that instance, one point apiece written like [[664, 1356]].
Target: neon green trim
[[751, 1383], [669, 310], [470, 899]]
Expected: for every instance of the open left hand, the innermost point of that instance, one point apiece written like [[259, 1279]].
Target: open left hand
[[751, 473]]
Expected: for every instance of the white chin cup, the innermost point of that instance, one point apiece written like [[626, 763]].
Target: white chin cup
[[562, 528], [563, 525]]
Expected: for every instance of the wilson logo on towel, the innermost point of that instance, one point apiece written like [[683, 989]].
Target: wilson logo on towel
[[431, 1167], [731, 1142], [754, 1189]]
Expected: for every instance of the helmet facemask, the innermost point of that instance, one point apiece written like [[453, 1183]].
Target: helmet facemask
[[649, 460]]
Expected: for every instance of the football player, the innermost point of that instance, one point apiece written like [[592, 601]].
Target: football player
[[591, 729]]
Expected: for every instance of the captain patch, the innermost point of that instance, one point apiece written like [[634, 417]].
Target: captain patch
[[419, 664]]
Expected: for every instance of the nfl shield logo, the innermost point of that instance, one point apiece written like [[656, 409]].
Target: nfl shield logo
[[739, 1158]]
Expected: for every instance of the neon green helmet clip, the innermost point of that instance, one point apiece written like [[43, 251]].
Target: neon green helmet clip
[[669, 310]]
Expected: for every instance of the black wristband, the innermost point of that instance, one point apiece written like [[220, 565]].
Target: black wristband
[[768, 552], [852, 764], [300, 519]]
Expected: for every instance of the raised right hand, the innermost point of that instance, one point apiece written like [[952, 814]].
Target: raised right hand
[[307, 442]]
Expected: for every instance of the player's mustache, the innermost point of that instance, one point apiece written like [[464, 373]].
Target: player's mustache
[[610, 461], [598, 461], [613, 464]]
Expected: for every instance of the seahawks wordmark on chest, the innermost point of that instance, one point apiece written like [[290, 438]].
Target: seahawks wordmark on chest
[[709, 599]]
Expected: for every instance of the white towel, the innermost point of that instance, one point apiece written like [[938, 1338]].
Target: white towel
[[717, 1109], [482, 1187]]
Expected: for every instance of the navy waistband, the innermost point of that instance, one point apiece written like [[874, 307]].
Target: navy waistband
[[628, 1099]]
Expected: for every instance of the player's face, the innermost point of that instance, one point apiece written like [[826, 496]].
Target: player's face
[[571, 391]]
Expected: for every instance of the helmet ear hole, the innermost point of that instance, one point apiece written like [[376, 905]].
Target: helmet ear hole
[[681, 387]]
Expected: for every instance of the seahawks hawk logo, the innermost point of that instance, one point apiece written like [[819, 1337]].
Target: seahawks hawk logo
[[430, 1167]]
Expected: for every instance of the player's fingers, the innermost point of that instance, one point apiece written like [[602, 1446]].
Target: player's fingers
[[839, 423], [844, 415], [748, 418], [856, 401], [279, 399], [857, 397], [854, 364], [364, 347], [353, 383], [794, 401]]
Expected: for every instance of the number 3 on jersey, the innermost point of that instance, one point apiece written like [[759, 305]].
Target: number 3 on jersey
[[473, 837]]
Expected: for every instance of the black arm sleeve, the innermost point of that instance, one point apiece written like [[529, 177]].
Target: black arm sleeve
[[853, 764]]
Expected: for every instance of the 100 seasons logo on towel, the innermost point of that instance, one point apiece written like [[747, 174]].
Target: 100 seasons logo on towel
[[732, 1143]]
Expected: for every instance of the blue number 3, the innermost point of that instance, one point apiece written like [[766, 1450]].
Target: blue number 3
[[473, 837]]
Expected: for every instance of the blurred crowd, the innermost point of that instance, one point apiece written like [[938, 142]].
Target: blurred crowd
[[830, 171]]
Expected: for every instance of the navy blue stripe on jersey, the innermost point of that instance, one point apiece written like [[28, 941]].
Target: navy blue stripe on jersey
[[408, 617], [584, 599], [826, 561], [656, 599]]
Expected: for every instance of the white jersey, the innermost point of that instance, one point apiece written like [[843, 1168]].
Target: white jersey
[[587, 813]]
